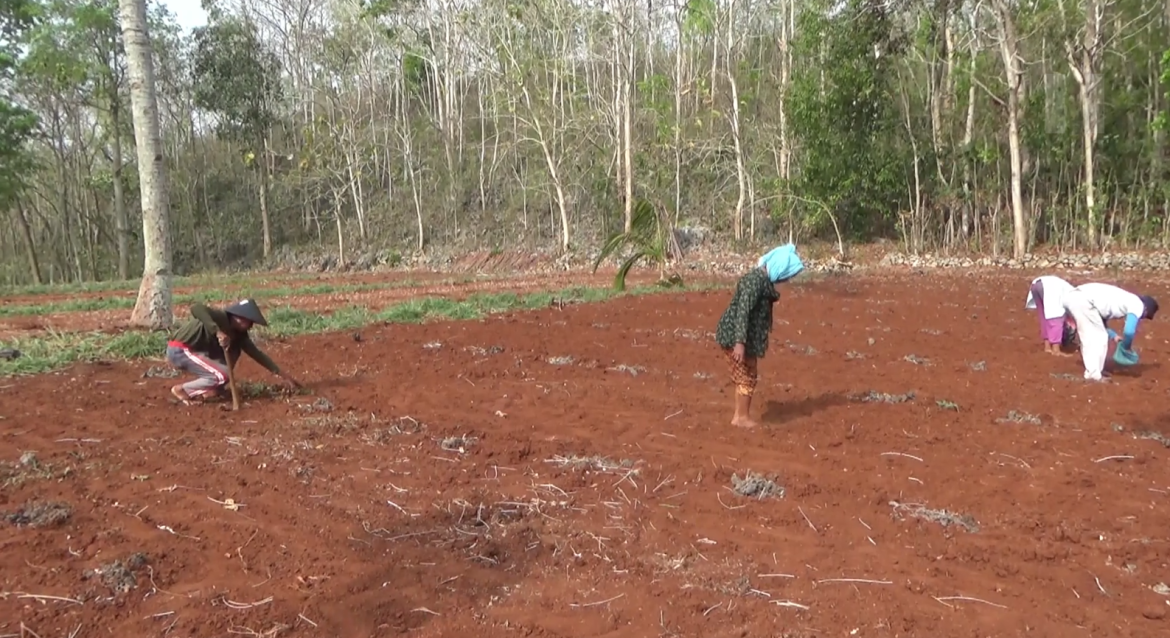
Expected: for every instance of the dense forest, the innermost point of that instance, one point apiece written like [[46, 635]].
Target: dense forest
[[393, 126]]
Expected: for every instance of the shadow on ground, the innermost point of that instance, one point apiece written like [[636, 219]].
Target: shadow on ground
[[778, 413]]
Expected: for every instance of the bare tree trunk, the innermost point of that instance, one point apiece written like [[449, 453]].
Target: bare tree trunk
[[740, 168], [1009, 48], [153, 308], [627, 116], [678, 113], [1084, 64], [121, 217], [265, 223], [26, 235]]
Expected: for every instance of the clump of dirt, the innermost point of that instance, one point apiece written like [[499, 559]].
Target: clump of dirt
[[160, 372], [916, 360], [1153, 436], [40, 514], [561, 361], [266, 391], [755, 485], [404, 426], [1064, 376], [978, 366], [458, 444], [119, 576], [320, 405], [597, 463], [630, 370], [338, 423], [480, 351], [942, 517], [28, 468], [797, 348], [1014, 416], [873, 396]]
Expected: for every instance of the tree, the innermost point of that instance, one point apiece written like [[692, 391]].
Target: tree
[[17, 123], [153, 308], [1013, 69], [236, 77], [651, 237]]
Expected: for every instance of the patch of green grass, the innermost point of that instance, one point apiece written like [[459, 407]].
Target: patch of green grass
[[289, 322], [131, 285], [202, 296], [57, 350]]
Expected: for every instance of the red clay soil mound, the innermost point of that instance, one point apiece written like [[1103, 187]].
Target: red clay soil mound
[[923, 469]]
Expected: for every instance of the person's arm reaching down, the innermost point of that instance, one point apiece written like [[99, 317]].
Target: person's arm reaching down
[[258, 355], [1130, 331]]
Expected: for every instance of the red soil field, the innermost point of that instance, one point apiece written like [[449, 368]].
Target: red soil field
[[592, 493]]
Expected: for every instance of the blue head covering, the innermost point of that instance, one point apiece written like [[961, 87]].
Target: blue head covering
[[782, 263]]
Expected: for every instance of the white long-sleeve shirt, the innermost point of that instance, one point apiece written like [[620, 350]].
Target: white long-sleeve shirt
[[1112, 302], [1054, 290]]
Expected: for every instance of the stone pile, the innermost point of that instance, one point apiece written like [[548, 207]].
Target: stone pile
[[1083, 261]]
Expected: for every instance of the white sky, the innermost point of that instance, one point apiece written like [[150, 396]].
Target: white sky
[[188, 13]]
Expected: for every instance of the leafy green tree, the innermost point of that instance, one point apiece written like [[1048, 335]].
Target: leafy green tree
[[238, 78], [18, 124], [844, 114]]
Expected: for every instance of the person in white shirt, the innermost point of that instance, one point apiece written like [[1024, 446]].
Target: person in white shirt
[[1092, 306], [1047, 296]]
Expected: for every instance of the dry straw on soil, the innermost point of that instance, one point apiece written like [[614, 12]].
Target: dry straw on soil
[[757, 486], [940, 516]]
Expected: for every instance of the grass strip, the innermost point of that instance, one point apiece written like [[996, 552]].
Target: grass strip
[[91, 304], [130, 286], [56, 350]]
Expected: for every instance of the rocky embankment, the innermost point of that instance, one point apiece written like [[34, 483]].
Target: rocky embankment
[[1076, 261]]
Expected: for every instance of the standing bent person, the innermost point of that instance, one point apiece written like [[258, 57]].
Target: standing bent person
[[1046, 296], [1092, 306], [198, 347], [744, 328]]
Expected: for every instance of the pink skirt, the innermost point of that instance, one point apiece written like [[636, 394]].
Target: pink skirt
[[1051, 330]]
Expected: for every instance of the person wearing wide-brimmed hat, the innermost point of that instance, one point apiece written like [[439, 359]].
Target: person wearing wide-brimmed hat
[[199, 346], [743, 329]]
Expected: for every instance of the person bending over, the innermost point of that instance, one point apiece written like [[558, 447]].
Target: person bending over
[[1092, 306], [744, 328], [1046, 296]]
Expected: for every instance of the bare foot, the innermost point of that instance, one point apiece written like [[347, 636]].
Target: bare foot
[[178, 392], [744, 422]]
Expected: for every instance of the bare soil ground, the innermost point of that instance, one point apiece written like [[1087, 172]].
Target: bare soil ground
[[570, 472]]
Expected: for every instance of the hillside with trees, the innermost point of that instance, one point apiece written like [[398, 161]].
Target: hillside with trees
[[390, 127]]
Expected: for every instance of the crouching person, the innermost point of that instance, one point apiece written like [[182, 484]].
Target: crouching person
[[198, 347]]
